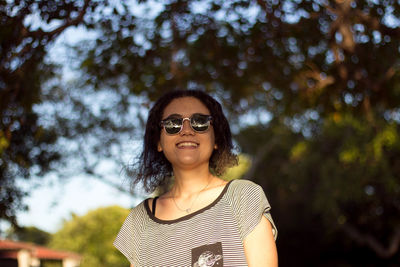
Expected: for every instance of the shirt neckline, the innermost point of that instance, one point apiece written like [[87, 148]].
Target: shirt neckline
[[186, 217]]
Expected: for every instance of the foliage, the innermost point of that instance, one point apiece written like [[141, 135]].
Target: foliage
[[338, 183], [311, 89], [30, 234], [239, 171], [40, 113], [27, 146], [92, 235], [51, 263]]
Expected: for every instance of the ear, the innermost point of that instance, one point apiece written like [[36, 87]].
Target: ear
[[159, 148], [215, 146]]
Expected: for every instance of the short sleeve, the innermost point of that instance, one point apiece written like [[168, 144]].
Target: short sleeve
[[129, 234], [250, 204]]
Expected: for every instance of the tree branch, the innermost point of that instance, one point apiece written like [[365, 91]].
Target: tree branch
[[374, 23], [68, 23], [373, 243]]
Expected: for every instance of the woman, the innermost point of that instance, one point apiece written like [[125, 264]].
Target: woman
[[202, 220]]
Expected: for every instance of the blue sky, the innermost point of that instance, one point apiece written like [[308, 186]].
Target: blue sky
[[54, 201]]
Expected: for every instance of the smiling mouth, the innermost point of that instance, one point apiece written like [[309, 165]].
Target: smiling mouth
[[187, 145]]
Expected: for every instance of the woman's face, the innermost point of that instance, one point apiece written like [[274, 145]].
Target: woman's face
[[187, 149]]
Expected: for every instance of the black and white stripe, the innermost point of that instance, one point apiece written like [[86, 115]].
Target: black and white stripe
[[148, 241]]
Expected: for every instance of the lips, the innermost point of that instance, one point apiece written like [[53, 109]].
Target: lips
[[187, 144]]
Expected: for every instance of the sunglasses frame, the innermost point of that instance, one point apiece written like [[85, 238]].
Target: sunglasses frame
[[208, 118]]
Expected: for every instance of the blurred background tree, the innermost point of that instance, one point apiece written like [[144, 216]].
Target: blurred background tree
[[46, 127], [30, 234], [311, 89], [92, 236], [26, 144]]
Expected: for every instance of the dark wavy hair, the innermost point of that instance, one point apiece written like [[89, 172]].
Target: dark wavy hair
[[153, 169]]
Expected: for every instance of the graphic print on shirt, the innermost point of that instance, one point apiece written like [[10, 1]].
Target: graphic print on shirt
[[207, 255]]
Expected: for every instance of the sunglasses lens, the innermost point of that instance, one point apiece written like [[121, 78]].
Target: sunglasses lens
[[172, 126], [200, 123]]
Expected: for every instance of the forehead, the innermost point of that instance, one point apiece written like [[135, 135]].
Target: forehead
[[185, 106]]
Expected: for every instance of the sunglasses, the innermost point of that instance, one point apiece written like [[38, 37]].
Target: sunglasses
[[198, 122]]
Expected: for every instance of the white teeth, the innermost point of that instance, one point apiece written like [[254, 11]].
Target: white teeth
[[187, 144]]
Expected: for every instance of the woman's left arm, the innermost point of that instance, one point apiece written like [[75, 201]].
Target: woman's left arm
[[260, 247]]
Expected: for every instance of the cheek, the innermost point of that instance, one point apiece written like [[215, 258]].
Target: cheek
[[165, 146]]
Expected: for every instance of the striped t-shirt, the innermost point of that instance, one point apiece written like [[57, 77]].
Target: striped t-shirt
[[211, 236]]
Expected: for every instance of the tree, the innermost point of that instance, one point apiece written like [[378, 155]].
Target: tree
[[338, 186], [36, 124], [25, 144], [92, 235], [317, 68], [30, 234], [311, 89]]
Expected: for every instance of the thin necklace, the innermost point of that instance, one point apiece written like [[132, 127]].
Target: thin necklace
[[188, 210]]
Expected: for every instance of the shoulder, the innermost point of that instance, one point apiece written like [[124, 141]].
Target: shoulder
[[134, 221], [244, 183], [137, 214], [139, 206], [249, 204], [243, 193], [244, 186], [129, 234]]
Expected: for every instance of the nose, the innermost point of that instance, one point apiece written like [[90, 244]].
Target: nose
[[186, 128]]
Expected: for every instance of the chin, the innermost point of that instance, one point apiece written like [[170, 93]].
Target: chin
[[190, 162]]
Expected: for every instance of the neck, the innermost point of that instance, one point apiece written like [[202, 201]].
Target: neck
[[189, 182]]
